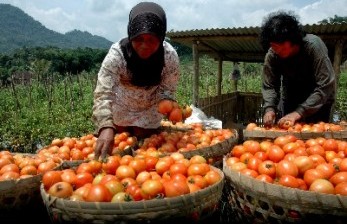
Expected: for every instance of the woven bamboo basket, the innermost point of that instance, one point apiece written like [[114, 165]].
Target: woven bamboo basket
[[259, 134], [254, 201], [201, 204], [20, 194]]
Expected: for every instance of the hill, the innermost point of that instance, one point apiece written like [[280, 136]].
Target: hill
[[18, 30]]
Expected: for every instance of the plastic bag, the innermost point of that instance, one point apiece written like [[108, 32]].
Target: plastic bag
[[198, 116]]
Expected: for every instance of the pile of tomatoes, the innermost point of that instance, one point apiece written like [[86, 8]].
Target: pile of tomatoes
[[317, 164], [298, 127], [173, 111], [17, 166], [131, 178]]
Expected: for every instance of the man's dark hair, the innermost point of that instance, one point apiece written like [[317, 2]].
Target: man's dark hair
[[279, 27]]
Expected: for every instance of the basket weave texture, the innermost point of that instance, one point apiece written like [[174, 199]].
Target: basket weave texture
[[200, 204], [254, 201]]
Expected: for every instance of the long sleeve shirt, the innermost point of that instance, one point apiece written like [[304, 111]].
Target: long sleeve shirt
[[306, 81], [118, 102]]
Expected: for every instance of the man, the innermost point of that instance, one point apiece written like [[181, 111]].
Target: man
[[297, 72]]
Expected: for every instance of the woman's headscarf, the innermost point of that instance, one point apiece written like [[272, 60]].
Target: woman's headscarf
[[145, 17]]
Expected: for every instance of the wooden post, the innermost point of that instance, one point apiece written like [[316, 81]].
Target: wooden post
[[196, 73], [219, 77], [338, 58]]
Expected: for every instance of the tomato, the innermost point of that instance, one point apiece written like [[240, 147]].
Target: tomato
[[124, 171], [138, 165], [251, 146], [175, 188], [275, 153], [178, 176], [316, 150], [286, 167], [281, 141], [338, 178], [9, 167], [288, 181], [317, 159], [302, 184], [9, 175], [245, 157], [265, 178], [61, 190], [265, 145], [176, 115], [142, 177], [238, 166], [198, 169], [128, 181], [253, 163], [84, 168], [198, 180], [114, 186], [150, 162], [261, 155], [213, 177], [193, 187], [178, 168], [83, 191], [98, 193], [107, 177], [328, 169], [121, 197], [82, 179], [343, 165], [68, 176], [135, 192], [249, 172], [51, 177], [238, 150], [151, 189], [311, 175], [330, 145], [165, 106], [111, 165], [341, 188], [197, 159], [303, 163], [28, 170], [290, 147], [322, 186], [267, 167], [125, 160], [4, 161], [231, 160], [162, 166]]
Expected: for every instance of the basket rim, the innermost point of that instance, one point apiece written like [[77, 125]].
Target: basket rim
[[285, 195]]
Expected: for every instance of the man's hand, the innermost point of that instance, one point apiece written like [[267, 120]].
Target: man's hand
[[269, 118], [289, 120], [104, 143]]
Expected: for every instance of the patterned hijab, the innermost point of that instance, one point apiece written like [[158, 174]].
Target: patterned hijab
[[145, 17]]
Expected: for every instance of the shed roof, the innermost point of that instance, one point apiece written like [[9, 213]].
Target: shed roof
[[242, 44]]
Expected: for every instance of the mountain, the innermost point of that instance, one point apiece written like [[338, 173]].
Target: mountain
[[18, 30]]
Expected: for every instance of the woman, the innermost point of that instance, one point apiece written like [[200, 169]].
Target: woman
[[297, 72], [137, 73]]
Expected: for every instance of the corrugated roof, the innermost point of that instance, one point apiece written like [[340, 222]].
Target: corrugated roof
[[242, 44]]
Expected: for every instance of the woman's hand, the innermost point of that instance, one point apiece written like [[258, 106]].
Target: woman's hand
[[269, 118], [289, 120], [104, 143]]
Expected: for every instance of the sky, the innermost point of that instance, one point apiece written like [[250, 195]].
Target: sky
[[109, 18]]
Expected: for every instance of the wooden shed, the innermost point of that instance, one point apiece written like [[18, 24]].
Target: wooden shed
[[242, 45]]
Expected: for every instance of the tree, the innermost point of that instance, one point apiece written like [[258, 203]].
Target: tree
[[336, 19]]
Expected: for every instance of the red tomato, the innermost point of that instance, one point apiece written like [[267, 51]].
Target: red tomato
[[82, 191], [151, 189], [150, 162], [114, 186], [253, 163], [135, 192], [267, 167], [251, 146], [178, 168], [124, 171], [238, 166], [311, 175], [69, 176], [198, 169], [111, 165], [322, 186], [84, 168], [317, 159], [338, 178], [261, 155], [198, 180], [245, 157], [249, 172], [82, 179], [341, 188], [281, 141], [51, 177], [303, 163], [142, 177], [328, 169], [343, 165], [288, 181], [231, 160], [213, 177], [98, 193], [302, 184], [138, 165], [265, 178], [275, 153], [238, 150], [286, 167], [61, 190], [316, 150], [175, 188], [107, 177]]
